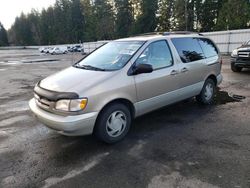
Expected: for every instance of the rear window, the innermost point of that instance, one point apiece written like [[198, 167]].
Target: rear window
[[208, 47], [188, 49]]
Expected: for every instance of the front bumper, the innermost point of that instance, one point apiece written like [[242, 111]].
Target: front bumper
[[67, 125], [241, 62]]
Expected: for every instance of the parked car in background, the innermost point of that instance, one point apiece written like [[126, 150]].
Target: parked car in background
[[44, 49], [41, 49], [240, 57], [124, 79], [58, 50], [47, 50], [69, 48], [76, 48]]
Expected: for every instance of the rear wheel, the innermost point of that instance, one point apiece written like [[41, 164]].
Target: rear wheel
[[207, 93], [235, 68], [113, 123]]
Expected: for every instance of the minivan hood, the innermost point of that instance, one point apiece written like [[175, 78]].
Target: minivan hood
[[74, 80]]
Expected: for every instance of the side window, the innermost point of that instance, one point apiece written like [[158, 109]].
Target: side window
[[208, 47], [156, 54], [188, 48]]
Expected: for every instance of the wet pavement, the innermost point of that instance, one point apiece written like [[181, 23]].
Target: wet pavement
[[182, 145]]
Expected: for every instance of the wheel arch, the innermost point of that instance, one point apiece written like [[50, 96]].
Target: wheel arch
[[213, 77], [124, 101]]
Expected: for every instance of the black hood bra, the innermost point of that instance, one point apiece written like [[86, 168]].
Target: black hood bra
[[54, 95]]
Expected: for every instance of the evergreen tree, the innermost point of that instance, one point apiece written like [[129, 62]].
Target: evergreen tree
[[71, 21], [179, 15], [207, 14], [166, 13], [90, 20], [48, 29], [3, 36], [235, 14], [147, 21], [78, 21], [34, 20], [104, 14], [184, 15], [136, 12], [62, 11], [124, 17], [22, 31], [136, 8]]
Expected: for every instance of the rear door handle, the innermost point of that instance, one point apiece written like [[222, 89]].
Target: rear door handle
[[184, 69], [174, 72]]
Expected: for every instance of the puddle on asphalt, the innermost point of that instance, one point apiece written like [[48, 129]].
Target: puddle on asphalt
[[13, 120], [14, 62], [224, 97], [11, 62], [16, 106], [39, 60]]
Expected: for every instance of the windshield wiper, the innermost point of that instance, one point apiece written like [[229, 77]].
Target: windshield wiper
[[88, 67]]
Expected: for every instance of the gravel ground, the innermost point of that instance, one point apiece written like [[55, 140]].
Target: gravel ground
[[182, 145]]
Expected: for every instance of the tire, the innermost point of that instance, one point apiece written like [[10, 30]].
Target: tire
[[235, 68], [109, 132], [207, 93]]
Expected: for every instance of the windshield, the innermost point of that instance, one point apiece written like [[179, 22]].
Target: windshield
[[246, 43], [112, 56]]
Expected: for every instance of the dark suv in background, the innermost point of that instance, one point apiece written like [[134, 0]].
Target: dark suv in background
[[240, 57]]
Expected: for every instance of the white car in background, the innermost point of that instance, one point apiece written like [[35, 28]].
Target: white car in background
[[44, 49], [41, 49], [47, 50], [58, 50]]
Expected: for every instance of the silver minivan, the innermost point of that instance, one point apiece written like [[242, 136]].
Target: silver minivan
[[126, 78]]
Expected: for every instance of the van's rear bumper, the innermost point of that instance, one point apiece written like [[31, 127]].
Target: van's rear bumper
[[68, 125]]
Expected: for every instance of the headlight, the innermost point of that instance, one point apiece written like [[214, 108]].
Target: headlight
[[234, 53], [71, 105], [78, 104]]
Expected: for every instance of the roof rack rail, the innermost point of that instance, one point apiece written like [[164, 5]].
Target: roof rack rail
[[169, 33], [150, 33], [181, 33]]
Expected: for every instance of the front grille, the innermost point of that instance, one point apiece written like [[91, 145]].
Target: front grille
[[244, 54], [44, 103]]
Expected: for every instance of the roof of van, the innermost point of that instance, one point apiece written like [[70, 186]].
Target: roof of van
[[150, 36]]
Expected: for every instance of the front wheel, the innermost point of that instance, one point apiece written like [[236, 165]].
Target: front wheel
[[113, 123], [207, 93], [235, 68]]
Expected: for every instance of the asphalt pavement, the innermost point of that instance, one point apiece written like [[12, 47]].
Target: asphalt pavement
[[182, 145]]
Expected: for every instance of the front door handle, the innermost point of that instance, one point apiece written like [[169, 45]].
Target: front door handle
[[184, 69], [174, 72]]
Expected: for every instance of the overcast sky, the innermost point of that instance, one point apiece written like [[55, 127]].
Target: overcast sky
[[9, 9]]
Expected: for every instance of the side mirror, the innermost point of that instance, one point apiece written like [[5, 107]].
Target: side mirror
[[142, 68]]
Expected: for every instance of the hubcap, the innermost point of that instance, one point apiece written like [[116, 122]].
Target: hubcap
[[209, 90], [116, 124]]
